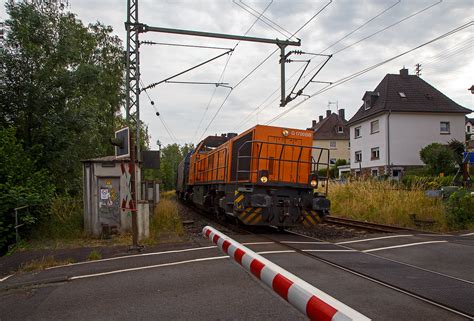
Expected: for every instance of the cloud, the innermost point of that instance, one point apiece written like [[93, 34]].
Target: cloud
[[183, 106]]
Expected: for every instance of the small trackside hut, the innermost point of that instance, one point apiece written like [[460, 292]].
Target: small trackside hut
[[265, 176]]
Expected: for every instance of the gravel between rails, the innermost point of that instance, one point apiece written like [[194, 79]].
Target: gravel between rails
[[194, 220]]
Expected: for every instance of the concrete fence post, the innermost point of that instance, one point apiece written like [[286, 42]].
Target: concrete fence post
[[309, 300]]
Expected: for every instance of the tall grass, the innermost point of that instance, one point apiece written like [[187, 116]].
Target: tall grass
[[385, 203], [66, 220], [165, 223]]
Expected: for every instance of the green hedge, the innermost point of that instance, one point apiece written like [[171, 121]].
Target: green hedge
[[426, 182], [460, 210]]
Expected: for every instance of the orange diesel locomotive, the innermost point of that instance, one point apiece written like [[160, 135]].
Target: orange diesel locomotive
[[265, 176]]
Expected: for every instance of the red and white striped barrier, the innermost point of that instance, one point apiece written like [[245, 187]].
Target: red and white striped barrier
[[309, 300]]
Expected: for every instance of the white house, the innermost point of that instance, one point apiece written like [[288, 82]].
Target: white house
[[401, 116], [469, 128]]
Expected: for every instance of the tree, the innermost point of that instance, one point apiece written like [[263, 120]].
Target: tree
[[61, 88], [171, 156], [438, 158], [21, 184]]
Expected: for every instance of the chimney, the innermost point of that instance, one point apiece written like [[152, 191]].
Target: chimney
[[342, 114], [328, 113], [314, 123], [320, 118], [404, 72]]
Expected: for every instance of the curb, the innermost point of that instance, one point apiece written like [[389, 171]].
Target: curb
[[58, 279], [309, 300]]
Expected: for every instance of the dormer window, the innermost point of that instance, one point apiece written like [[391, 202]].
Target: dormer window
[[369, 99], [340, 129]]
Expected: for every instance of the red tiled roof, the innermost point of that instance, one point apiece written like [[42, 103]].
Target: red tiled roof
[[420, 97]]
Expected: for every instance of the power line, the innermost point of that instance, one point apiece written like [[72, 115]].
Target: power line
[[378, 31], [221, 77], [168, 130], [458, 48], [249, 115], [264, 19], [255, 68], [362, 25], [361, 72], [388, 27]]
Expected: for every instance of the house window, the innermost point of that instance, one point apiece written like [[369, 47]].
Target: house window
[[357, 132], [468, 128], [374, 153], [340, 129], [374, 126], [366, 105], [358, 156], [444, 127], [332, 161], [332, 144], [402, 95], [374, 172]]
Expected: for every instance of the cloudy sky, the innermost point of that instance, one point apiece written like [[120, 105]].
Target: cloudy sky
[[342, 25]]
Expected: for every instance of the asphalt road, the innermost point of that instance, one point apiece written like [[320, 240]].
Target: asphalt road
[[202, 284]]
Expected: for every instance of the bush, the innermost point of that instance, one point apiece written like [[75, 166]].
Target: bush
[[439, 158], [460, 210], [21, 184], [426, 182]]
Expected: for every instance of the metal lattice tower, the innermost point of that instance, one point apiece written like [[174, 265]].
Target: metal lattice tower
[[132, 102]]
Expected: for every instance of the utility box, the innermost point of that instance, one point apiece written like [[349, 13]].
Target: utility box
[[107, 196]]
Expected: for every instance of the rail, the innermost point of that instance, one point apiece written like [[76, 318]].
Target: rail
[[368, 225], [313, 164]]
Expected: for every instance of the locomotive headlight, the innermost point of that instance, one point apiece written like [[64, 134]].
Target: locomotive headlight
[[263, 174], [313, 183]]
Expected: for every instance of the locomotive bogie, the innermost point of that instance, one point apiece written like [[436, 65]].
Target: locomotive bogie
[[264, 176]]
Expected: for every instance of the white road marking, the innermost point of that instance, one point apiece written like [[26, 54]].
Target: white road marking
[[302, 242], [134, 255], [151, 254], [468, 234], [148, 267], [374, 239], [8, 276], [329, 250], [404, 245], [258, 243], [168, 264], [276, 252]]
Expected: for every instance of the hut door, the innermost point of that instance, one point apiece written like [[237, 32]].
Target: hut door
[[109, 208]]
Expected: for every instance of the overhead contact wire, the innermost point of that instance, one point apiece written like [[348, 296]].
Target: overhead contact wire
[[361, 72], [258, 66], [172, 136], [249, 115], [260, 16], [221, 78]]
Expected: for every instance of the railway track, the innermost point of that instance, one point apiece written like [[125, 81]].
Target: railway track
[[274, 235], [347, 268], [373, 227]]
